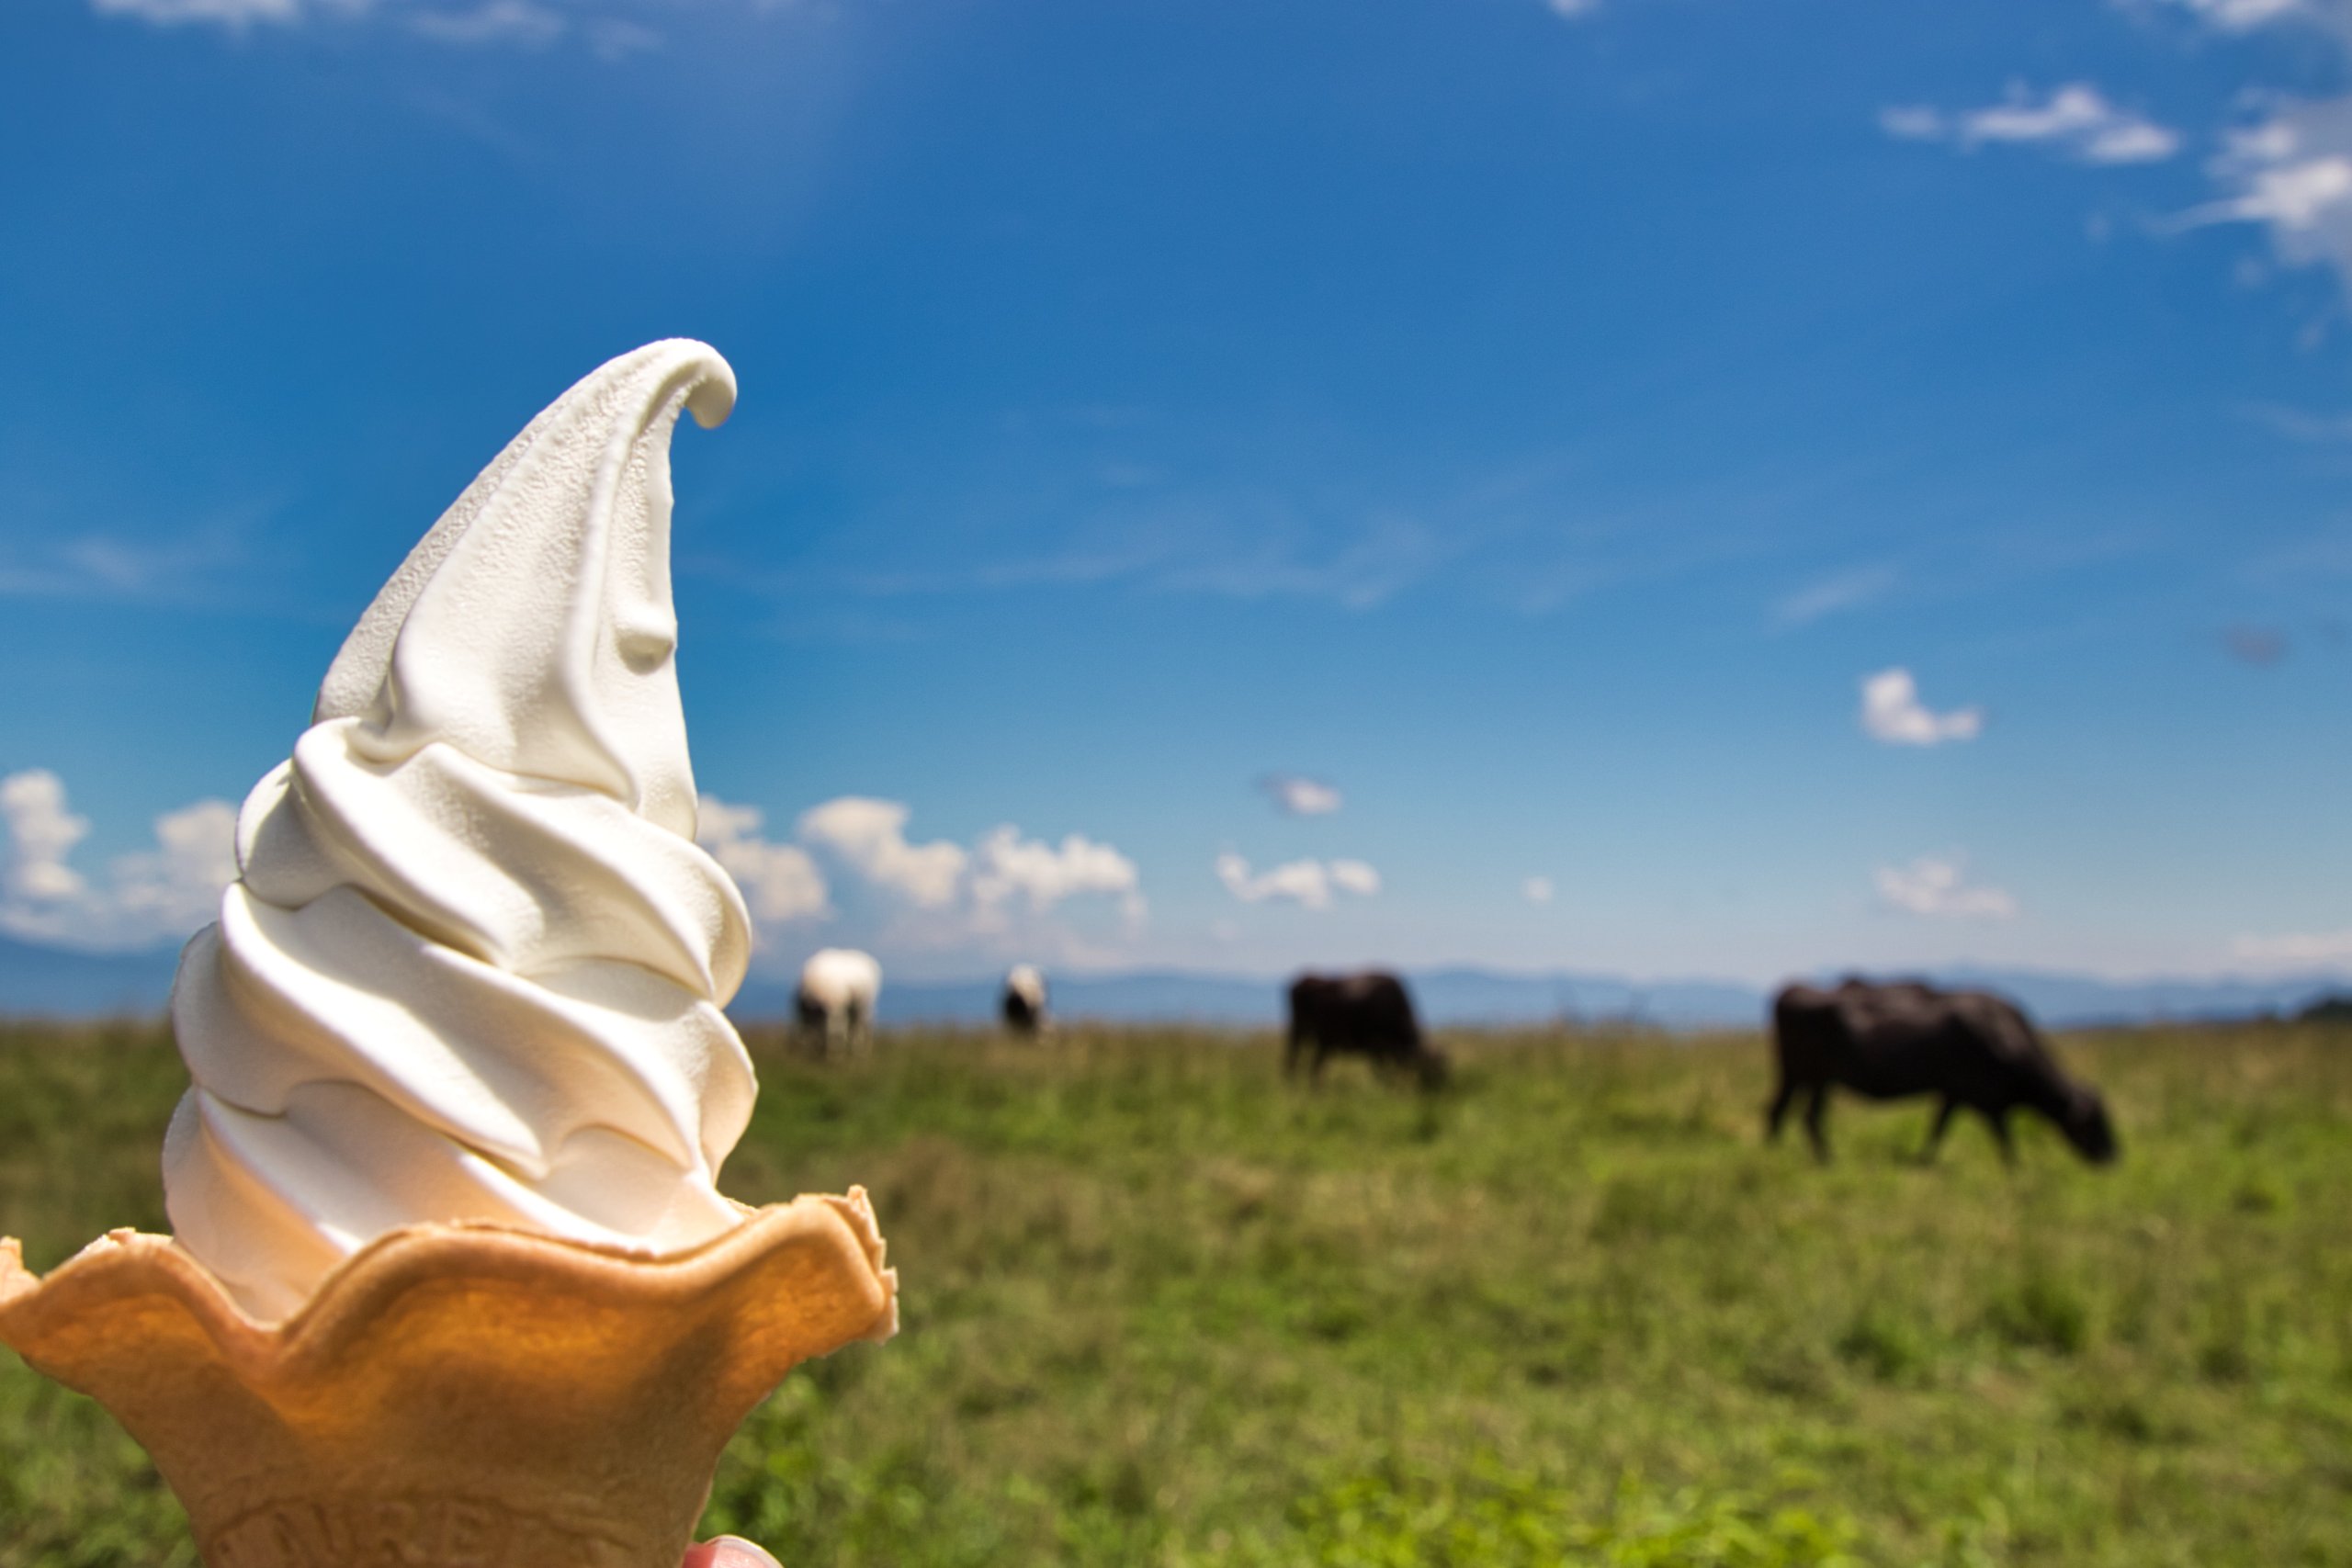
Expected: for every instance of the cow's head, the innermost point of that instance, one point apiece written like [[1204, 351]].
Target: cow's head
[[2084, 1121]]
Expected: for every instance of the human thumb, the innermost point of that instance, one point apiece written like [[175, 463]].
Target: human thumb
[[728, 1552]]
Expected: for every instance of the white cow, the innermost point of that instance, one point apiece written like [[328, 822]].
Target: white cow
[[1024, 999], [838, 987]]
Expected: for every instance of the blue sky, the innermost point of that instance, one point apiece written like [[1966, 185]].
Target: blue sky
[[1532, 424]]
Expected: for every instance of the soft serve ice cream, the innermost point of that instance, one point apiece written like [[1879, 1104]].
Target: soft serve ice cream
[[473, 965]]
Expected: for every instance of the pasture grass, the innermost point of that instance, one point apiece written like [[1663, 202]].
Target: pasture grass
[[1161, 1310]]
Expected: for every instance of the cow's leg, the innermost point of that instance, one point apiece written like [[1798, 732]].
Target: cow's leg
[[1944, 1114], [1815, 1110], [2000, 1121], [1779, 1110], [1315, 1063], [1292, 1050]]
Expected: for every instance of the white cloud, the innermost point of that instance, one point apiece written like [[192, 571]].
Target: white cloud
[[1007, 867], [780, 883], [41, 834], [1938, 885], [1306, 883], [2283, 187], [1301, 796], [2292, 174], [2296, 948], [153, 895], [870, 836], [1892, 712], [996, 891], [1572, 9], [175, 887], [1536, 890], [2075, 118]]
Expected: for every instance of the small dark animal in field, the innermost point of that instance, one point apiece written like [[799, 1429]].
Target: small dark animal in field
[[1890, 1042], [1024, 1007], [1368, 1015], [2334, 1008]]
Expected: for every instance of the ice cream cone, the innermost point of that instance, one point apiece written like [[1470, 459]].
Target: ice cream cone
[[455, 1396]]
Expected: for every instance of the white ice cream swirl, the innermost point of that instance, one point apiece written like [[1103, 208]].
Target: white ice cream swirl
[[473, 966]]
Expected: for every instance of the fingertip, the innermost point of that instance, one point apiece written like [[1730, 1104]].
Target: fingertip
[[729, 1551]]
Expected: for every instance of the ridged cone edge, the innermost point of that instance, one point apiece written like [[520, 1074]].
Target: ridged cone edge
[[621, 1378]]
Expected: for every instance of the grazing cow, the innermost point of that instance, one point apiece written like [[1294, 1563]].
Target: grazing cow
[[835, 1002], [1369, 1015], [1024, 999], [1889, 1041]]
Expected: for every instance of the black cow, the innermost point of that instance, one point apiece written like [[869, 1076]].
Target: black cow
[[1892, 1041], [1367, 1015]]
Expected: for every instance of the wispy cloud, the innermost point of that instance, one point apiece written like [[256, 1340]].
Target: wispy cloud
[[162, 893], [615, 38], [232, 14], [1893, 713], [2302, 424], [1386, 556], [484, 24], [1839, 591], [2296, 949], [1241, 550], [1938, 887], [103, 566], [2239, 15], [2289, 170], [2291, 174], [1536, 890], [1310, 883], [1296, 794], [2076, 120], [495, 21]]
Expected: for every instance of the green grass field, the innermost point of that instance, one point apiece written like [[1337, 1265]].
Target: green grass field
[[1159, 1310]]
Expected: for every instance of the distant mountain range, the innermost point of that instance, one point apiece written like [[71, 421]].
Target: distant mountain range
[[54, 982]]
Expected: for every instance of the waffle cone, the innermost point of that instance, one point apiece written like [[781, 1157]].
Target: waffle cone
[[455, 1396]]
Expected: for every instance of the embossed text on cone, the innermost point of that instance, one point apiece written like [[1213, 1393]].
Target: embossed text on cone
[[455, 1396]]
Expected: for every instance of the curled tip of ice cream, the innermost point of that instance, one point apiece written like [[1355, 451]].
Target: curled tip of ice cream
[[473, 965], [533, 626]]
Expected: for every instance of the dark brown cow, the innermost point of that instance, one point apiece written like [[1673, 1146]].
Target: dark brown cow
[[1368, 1015], [1973, 1049]]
